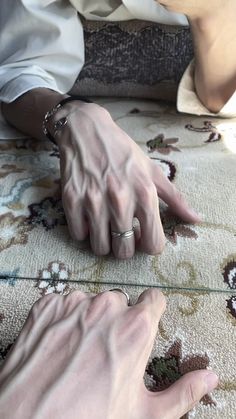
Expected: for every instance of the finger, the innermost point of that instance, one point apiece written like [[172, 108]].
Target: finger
[[105, 306], [184, 394], [172, 197], [145, 316], [99, 228], [152, 240], [123, 295], [99, 231], [154, 302], [121, 219], [72, 299], [123, 247], [76, 220]]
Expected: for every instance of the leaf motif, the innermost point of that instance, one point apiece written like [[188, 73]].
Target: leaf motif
[[185, 231]]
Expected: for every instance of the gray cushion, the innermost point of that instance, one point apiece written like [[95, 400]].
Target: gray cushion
[[133, 59]]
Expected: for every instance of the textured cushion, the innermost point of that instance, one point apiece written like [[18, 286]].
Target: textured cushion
[[134, 58]]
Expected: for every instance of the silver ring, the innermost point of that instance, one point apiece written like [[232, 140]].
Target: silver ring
[[122, 292], [59, 125], [125, 235]]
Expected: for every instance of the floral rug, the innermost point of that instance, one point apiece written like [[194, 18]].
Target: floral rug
[[197, 270]]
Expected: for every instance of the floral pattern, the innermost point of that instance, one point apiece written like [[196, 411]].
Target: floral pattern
[[49, 213], [174, 228], [165, 370], [229, 275], [53, 279], [162, 145], [168, 167], [13, 231], [231, 305], [7, 169], [189, 267], [214, 136]]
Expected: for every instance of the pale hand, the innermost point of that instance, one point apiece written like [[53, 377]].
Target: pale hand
[[84, 356], [197, 9], [107, 181]]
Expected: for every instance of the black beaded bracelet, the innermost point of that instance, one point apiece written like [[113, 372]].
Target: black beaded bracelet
[[62, 121]]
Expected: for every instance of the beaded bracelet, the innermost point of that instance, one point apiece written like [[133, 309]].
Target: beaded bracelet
[[63, 121]]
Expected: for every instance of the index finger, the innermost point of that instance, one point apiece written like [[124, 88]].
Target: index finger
[[172, 197], [154, 301], [152, 304], [148, 309]]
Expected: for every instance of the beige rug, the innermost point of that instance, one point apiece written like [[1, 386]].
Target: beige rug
[[197, 269]]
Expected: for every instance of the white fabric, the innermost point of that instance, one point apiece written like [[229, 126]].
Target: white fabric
[[41, 45]]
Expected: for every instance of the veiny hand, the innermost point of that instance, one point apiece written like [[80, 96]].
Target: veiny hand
[[107, 181], [197, 8], [84, 356]]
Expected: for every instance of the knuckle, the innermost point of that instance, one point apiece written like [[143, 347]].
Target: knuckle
[[118, 201], [93, 202], [146, 193], [100, 111], [157, 295], [75, 295], [43, 302], [70, 198], [158, 298], [108, 299]]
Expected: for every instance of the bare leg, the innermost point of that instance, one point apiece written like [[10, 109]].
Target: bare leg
[[215, 57], [214, 34]]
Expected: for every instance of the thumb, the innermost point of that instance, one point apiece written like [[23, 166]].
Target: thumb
[[182, 396], [173, 197]]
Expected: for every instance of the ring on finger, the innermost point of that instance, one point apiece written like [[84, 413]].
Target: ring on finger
[[123, 235], [122, 292]]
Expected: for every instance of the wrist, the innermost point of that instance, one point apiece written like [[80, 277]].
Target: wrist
[[56, 118]]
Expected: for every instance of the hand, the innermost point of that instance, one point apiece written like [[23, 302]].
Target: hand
[[84, 356], [196, 8], [107, 181]]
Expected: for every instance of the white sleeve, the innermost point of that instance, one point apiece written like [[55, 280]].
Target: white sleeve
[[41, 45], [188, 101]]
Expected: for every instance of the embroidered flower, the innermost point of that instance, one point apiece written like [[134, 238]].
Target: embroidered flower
[[9, 277], [162, 145], [229, 271], [229, 275], [168, 167], [13, 230], [173, 228], [231, 305], [52, 279], [48, 212], [214, 136], [164, 371]]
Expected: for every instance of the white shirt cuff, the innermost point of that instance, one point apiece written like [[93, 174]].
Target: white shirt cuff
[[188, 101]]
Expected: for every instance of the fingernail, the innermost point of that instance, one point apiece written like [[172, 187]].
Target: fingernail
[[211, 381]]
